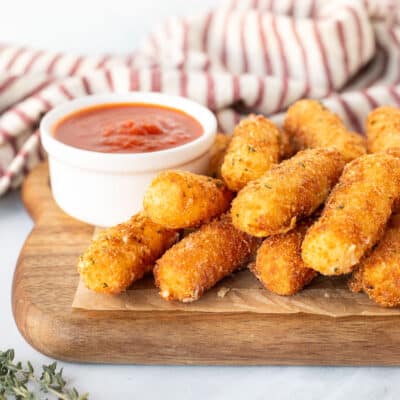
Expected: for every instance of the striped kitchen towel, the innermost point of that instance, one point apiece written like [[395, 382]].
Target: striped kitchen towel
[[244, 56]]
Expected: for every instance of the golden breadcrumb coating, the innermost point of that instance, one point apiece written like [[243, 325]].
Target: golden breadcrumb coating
[[287, 148], [379, 273], [254, 148], [383, 130], [279, 265], [120, 255], [217, 154], [354, 216], [311, 125], [287, 192], [179, 199], [355, 281], [201, 259]]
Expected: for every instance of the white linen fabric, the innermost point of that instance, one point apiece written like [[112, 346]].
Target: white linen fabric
[[245, 56]]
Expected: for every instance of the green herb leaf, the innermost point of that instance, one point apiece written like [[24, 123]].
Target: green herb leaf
[[19, 382]]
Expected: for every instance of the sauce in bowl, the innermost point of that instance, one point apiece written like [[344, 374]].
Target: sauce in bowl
[[127, 128]]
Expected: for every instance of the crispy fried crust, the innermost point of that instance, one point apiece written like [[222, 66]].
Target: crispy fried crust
[[254, 148], [217, 154], [383, 130], [355, 281], [179, 199], [120, 255], [287, 192], [311, 125], [379, 273], [201, 259], [287, 148], [279, 265], [354, 216]]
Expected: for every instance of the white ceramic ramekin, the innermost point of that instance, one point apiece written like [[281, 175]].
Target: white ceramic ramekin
[[105, 189]]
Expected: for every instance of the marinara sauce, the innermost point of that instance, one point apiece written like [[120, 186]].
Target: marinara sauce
[[127, 128]]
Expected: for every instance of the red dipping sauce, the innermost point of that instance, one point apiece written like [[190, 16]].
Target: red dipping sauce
[[127, 128]]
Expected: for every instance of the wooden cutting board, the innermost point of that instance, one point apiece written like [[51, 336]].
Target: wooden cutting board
[[46, 279]]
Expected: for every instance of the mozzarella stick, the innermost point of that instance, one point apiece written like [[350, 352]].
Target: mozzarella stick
[[201, 259], [383, 130], [354, 216], [179, 199], [279, 265], [311, 125], [120, 255], [217, 154], [379, 273], [287, 148], [254, 148], [286, 193]]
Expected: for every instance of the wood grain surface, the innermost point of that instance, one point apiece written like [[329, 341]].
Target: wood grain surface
[[45, 282]]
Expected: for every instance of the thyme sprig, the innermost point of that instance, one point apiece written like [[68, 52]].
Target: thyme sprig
[[21, 383]]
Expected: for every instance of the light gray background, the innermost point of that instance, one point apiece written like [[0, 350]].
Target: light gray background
[[118, 26]]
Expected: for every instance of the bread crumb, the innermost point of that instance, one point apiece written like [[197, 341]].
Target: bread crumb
[[222, 292], [188, 300]]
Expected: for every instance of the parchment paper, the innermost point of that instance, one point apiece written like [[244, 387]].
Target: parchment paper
[[325, 296], [241, 292]]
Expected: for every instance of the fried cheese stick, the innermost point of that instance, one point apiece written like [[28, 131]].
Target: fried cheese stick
[[355, 215], [311, 125], [383, 130], [383, 134], [378, 274], [179, 199], [201, 259], [287, 192], [254, 148], [287, 148], [279, 265], [120, 255], [217, 154]]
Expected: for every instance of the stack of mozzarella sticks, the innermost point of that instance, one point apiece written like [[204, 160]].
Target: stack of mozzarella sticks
[[291, 203]]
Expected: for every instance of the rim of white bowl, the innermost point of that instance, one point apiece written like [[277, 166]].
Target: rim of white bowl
[[129, 162]]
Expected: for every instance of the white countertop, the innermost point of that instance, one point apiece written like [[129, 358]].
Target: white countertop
[[167, 382]]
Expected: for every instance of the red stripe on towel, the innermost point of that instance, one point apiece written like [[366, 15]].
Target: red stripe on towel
[[65, 92], [323, 51], [75, 66], [210, 91], [32, 61], [14, 58], [7, 83], [350, 114], [243, 43], [343, 47], [264, 45], [53, 62], [284, 63]]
